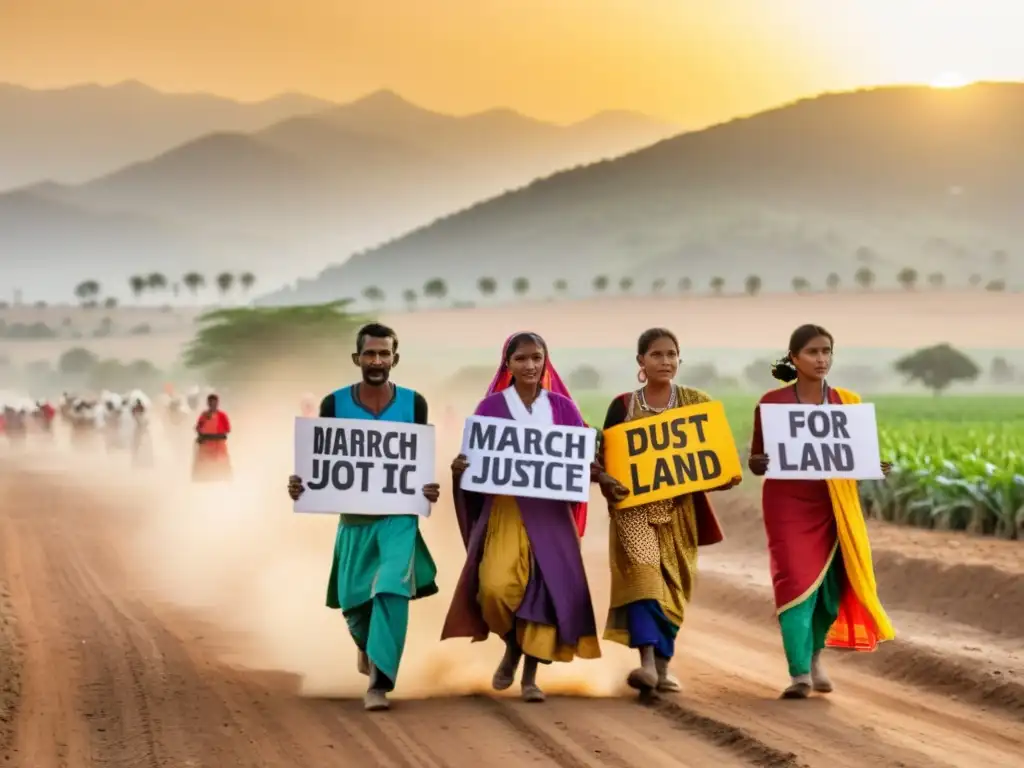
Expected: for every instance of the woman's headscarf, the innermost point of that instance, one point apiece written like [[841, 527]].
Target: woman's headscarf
[[552, 382], [549, 379]]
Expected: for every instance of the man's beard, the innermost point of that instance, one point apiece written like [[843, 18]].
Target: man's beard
[[376, 378]]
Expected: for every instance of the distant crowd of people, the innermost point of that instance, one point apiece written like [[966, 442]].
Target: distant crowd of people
[[122, 422]]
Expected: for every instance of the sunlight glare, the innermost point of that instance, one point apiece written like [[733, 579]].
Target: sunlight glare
[[950, 80]]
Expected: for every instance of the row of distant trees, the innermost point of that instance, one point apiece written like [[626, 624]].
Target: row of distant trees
[[88, 292], [864, 278]]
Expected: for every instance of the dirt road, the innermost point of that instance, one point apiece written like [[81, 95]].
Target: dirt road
[[95, 673]]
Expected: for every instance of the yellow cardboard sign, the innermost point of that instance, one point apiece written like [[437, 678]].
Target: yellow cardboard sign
[[680, 451]]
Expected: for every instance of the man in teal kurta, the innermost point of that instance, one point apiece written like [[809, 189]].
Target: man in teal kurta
[[380, 562]]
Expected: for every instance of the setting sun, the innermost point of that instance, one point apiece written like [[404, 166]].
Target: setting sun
[[950, 80]]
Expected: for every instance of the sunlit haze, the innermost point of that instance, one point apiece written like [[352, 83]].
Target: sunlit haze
[[690, 61]]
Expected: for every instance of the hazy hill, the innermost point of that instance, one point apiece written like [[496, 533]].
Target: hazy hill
[[310, 190], [884, 179], [74, 134], [48, 246]]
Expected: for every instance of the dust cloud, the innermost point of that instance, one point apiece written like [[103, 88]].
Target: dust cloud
[[234, 557]]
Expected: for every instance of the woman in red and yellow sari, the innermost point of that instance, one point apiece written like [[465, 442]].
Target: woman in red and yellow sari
[[824, 582]]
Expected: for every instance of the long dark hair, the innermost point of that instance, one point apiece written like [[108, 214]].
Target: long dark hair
[[783, 368]]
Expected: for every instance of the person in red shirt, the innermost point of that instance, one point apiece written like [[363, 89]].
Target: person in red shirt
[[211, 460]]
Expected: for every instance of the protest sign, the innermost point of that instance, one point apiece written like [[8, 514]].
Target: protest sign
[[362, 467], [683, 450], [533, 461], [818, 442]]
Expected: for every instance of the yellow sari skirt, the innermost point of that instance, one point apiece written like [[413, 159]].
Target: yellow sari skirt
[[504, 574]]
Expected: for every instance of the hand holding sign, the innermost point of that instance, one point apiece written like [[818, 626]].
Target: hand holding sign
[[679, 451], [459, 465], [352, 466]]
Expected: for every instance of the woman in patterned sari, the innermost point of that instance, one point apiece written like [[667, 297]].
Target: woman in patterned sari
[[822, 574], [653, 547], [523, 579]]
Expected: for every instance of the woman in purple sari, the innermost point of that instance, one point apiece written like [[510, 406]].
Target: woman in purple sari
[[523, 579]]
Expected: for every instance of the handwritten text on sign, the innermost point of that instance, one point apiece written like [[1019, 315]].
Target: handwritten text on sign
[[808, 442], [361, 467], [680, 451], [539, 462]]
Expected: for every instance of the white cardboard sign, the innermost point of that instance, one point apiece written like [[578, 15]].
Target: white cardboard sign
[[819, 442], [363, 467], [530, 460]]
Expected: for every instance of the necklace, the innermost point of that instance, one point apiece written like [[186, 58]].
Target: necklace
[[824, 393], [651, 409]]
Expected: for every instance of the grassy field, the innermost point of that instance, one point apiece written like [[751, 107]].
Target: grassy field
[[958, 461]]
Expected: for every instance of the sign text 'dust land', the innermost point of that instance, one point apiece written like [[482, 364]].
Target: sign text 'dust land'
[[684, 450], [532, 461], [805, 442], [353, 466]]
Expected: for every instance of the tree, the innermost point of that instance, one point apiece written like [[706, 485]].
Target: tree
[[436, 288], [156, 281], [752, 285], [974, 280], [234, 345], [584, 378], [521, 286], [684, 284], [864, 277], [373, 293], [658, 285], [1001, 371], [225, 281], [907, 277], [937, 367], [864, 255], [488, 286], [717, 285], [832, 282], [77, 361], [936, 280], [600, 283], [626, 284], [561, 285], [193, 282], [996, 285], [138, 286], [801, 284], [87, 291], [409, 297], [110, 302], [247, 280]]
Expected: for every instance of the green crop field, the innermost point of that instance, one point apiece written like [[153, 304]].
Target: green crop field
[[958, 461]]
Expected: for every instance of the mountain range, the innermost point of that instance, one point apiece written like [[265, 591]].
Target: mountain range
[[908, 186], [279, 187]]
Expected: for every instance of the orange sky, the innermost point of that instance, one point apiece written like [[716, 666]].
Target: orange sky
[[691, 61]]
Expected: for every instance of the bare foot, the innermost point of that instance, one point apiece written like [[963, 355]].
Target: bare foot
[[533, 694], [667, 682], [819, 678], [643, 679], [375, 701], [797, 691], [505, 674], [363, 664]]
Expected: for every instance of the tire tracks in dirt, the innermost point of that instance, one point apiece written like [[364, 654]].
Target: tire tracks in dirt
[[113, 681]]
